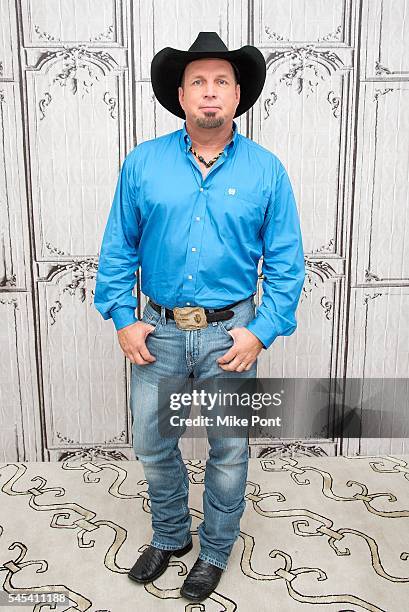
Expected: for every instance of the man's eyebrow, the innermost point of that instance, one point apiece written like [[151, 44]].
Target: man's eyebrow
[[225, 76]]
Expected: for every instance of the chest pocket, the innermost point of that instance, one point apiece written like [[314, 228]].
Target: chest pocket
[[245, 206]]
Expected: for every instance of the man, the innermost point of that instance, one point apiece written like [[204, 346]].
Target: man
[[196, 209]]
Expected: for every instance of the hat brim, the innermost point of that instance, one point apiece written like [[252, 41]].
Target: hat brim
[[168, 64]]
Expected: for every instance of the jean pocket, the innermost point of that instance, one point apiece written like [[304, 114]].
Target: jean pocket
[[240, 319], [221, 325], [151, 317]]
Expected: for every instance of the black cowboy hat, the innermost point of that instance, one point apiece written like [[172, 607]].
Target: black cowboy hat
[[168, 65]]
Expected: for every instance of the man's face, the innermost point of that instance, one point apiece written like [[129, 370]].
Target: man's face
[[210, 95]]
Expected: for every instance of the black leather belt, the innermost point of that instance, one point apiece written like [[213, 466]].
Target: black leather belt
[[220, 314]]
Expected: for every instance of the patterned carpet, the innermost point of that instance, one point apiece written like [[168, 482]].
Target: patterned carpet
[[317, 534]]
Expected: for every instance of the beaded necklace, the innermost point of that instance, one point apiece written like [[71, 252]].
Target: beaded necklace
[[201, 159]]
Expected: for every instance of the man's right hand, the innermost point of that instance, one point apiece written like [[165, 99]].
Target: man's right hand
[[132, 341]]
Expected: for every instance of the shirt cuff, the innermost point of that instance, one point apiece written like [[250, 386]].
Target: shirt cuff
[[123, 316], [264, 330]]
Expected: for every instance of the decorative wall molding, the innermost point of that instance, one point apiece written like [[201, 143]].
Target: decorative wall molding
[[370, 276], [322, 269], [336, 35], [381, 92], [307, 66], [121, 437], [93, 454], [76, 59], [81, 272], [325, 248], [291, 449], [370, 296], [9, 302], [80, 70], [45, 35]]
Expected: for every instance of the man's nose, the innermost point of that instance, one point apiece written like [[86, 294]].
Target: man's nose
[[209, 91]]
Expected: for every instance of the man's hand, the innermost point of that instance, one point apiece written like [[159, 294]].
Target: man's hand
[[132, 341], [243, 353]]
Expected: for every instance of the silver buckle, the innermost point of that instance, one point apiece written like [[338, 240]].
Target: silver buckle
[[190, 317]]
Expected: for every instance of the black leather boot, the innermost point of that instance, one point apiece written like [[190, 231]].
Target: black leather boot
[[154, 561], [202, 579]]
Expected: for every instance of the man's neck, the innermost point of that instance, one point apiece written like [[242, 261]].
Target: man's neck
[[209, 139]]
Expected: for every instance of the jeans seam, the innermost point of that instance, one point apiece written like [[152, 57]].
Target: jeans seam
[[212, 560], [157, 544], [185, 507]]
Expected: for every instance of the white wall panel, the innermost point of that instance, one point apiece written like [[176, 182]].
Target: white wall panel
[[20, 418], [55, 22], [385, 35], [280, 21], [76, 97], [382, 195]]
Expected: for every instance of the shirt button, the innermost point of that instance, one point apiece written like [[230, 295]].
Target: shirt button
[[197, 218], [193, 248], [201, 189], [187, 303], [190, 276]]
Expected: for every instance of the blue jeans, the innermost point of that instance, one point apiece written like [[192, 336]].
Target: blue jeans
[[180, 353]]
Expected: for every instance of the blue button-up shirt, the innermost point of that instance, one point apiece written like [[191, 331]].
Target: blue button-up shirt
[[199, 240]]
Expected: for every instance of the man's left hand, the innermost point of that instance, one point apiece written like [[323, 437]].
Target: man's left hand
[[243, 353]]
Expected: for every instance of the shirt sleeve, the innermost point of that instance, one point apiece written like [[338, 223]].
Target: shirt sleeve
[[283, 265], [119, 257]]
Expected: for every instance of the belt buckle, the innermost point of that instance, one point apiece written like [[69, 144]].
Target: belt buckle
[[190, 317]]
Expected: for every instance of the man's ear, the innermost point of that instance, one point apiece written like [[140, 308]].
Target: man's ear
[[180, 93]]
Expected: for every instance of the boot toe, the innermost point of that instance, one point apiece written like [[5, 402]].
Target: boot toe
[[201, 581], [153, 562]]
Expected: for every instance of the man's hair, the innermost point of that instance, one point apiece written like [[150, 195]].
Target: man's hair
[[235, 70]]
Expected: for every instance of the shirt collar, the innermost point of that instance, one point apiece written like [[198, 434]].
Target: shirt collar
[[185, 140]]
